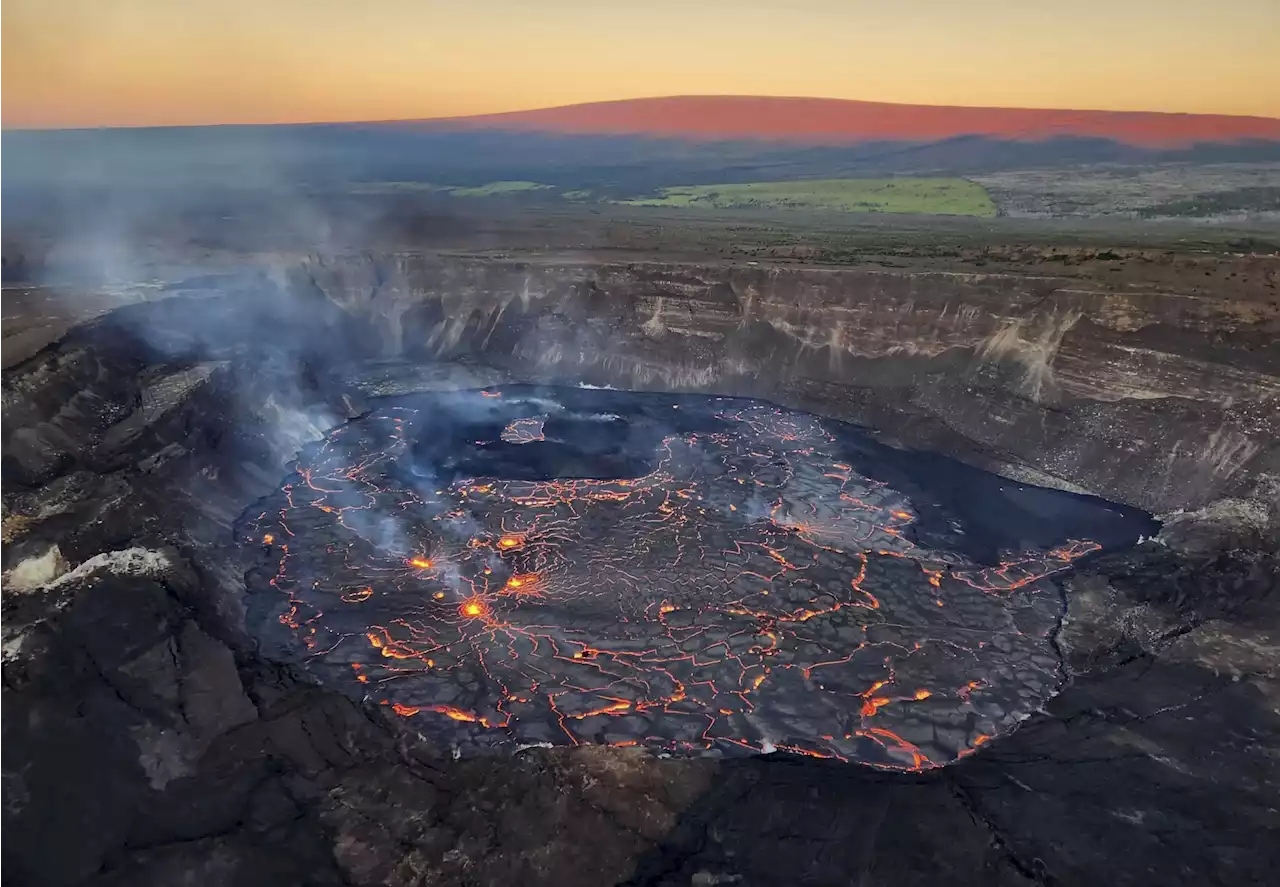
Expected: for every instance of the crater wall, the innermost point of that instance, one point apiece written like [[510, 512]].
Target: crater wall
[[1139, 393]]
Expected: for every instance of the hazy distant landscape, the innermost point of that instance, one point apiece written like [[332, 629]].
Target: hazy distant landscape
[[891, 159]]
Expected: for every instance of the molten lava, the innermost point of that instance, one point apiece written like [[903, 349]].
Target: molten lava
[[749, 590], [474, 608]]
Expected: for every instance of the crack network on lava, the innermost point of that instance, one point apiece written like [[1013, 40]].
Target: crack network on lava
[[751, 591]]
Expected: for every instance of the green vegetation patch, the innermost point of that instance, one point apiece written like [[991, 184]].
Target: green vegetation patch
[[396, 187], [927, 196], [494, 189], [576, 195]]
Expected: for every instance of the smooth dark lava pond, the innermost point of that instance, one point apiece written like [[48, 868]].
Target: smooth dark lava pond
[[691, 574]]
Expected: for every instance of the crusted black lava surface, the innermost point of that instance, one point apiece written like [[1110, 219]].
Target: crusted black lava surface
[[690, 574]]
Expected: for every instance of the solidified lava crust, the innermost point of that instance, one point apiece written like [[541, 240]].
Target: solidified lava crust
[[686, 574]]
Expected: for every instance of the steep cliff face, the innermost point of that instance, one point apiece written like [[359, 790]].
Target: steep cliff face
[[1157, 398]]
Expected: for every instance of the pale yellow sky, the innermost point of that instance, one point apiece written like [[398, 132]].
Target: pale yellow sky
[[147, 62]]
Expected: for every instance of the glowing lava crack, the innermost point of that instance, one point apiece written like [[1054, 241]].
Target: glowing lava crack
[[747, 591]]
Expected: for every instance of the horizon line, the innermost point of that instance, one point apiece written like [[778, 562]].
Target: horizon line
[[490, 114]]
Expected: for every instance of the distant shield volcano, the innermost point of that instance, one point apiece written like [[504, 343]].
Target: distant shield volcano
[[842, 122]]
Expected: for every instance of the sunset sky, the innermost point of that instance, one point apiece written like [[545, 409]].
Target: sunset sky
[[151, 62]]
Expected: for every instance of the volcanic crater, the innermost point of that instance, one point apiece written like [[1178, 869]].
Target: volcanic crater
[[300, 563]]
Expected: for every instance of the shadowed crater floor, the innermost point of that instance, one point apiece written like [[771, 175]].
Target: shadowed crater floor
[[691, 574]]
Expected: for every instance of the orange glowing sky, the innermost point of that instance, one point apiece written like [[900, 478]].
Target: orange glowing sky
[[150, 62]]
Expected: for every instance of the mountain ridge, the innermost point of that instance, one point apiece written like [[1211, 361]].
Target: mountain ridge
[[821, 121]]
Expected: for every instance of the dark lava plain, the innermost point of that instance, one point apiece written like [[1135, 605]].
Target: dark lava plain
[[686, 573]]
